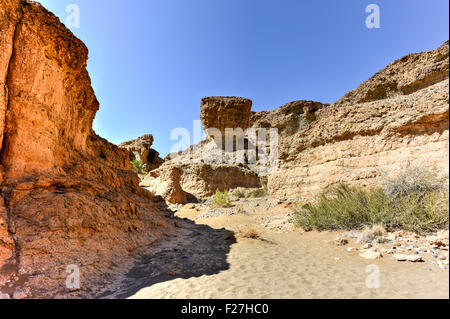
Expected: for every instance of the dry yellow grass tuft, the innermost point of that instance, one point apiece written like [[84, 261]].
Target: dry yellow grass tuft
[[249, 232]]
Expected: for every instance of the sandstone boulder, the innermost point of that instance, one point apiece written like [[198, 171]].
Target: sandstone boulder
[[67, 196], [165, 182]]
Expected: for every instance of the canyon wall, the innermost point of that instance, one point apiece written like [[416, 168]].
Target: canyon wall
[[397, 119], [67, 196]]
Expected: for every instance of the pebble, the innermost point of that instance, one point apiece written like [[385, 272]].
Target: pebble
[[339, 241], [411, 258], [370, 254]]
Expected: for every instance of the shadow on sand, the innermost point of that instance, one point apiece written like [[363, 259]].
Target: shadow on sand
[[191, 251]]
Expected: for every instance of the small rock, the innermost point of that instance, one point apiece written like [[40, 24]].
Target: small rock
[[370, 254], [411, 258], [350, 249], [339, 241], [366, 246], [387, 251]]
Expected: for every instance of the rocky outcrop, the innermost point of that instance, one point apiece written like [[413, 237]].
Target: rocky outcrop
[[179, 182], [165, 182], [395, 120], [140, 149], [67, 196], [207, 166], [407, 75], [219, 113]]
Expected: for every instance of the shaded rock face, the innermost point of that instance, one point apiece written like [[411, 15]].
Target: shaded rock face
[[140, 149], [67, 196], [165, 182], [221, 113], [396, 120]]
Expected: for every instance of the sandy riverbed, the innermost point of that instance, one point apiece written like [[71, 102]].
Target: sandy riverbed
[[298, 265]]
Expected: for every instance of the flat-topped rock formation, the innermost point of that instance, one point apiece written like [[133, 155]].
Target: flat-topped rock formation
[[67, 196], [396, 120], [219, 113]]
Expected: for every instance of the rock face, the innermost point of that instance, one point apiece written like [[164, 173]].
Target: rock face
[[67, 196], [166, 182], [395, 120], [140, 149], [207, 167], [177, 182], [220, 112]]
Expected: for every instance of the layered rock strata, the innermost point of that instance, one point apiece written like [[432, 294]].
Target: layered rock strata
[[398, 119]]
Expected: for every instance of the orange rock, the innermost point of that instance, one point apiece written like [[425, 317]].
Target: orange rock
[[67, 196]]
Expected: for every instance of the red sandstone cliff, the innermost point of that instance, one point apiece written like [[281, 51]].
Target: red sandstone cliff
[[67, 196]]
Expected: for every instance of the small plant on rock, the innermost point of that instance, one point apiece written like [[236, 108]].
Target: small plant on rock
[[138, 167]]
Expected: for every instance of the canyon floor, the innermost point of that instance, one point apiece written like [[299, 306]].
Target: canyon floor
[[279, 261]]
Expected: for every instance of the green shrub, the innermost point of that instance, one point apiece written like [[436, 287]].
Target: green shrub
[[138, 167], [239, 194], [264, 181], [401, 203], [221, 199], [260, 192]]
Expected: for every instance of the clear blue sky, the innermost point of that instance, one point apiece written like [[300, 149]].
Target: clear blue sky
[[151, 61]]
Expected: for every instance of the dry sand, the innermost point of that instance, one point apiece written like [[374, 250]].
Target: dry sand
[[298, 265]]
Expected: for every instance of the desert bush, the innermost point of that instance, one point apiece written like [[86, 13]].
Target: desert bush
[[221, 199], [418, 203], [138, 167], [260, 192], [239, 194], [414, 180]]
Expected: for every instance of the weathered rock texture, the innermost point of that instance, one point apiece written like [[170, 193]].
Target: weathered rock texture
[[221, 113], [395, 120], [140, 149], [207, 167], [67, 196], [178, 182]]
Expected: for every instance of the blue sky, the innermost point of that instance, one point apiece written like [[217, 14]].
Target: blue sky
[[151, 61]]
